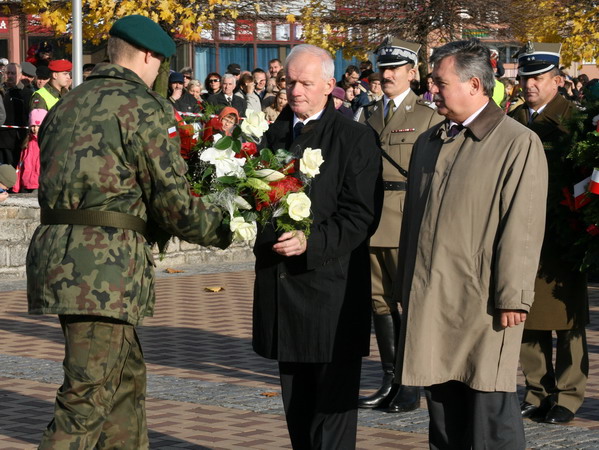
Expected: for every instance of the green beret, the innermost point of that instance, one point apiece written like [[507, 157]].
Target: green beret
[[145, 33]]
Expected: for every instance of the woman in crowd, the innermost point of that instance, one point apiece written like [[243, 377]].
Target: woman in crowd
[[427, 95], [195, 88], [273, 111], [212, 83], [280, 85], [246, 88]]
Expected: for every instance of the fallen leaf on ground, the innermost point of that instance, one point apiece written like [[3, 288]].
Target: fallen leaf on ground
[[214, 289], [169, 270], [269, 394]]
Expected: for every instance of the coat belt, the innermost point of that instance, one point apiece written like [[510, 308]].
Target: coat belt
[[92, 218], [394, 185]]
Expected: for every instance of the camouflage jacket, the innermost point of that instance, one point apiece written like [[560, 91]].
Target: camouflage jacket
[[111, 145]]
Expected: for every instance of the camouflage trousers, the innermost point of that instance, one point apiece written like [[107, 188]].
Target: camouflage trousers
[[101, 403]]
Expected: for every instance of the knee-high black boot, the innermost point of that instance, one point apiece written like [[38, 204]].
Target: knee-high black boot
[[386, 328]]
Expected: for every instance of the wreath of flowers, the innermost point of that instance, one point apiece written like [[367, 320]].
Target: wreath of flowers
[[252, 185], [583, 142]]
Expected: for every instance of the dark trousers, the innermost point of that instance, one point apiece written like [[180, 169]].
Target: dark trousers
[[565, 382], [463, 418], [321, 403]]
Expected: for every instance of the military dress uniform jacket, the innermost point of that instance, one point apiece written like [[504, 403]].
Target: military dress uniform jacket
[[561, 297], [470, 243], [110, 145], [410, 119], [315, 307]]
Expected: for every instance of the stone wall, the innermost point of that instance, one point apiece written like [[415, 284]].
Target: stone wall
[[19, 217]]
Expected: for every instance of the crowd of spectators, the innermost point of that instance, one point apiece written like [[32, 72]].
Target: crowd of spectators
[[236, 90]]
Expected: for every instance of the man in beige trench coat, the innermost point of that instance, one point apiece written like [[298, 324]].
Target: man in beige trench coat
[[469, 247]]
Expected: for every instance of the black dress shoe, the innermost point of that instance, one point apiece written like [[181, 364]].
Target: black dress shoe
[[530, 411], [559, 414], [527, 409], [407, 399]]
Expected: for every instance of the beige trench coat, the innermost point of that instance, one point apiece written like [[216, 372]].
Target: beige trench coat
[[470, 243]]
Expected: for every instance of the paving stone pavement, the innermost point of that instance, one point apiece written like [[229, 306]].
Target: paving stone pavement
[[206, 387]]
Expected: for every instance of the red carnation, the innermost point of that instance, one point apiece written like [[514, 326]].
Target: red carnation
[[279, 189], [247, 149], [212, 127]]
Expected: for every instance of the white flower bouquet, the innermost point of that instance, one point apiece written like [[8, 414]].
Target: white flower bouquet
[[255, 186]]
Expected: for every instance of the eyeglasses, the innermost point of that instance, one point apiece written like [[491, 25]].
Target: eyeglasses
[[214, 81], [187, 77]]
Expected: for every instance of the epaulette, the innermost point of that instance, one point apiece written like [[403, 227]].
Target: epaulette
[[421, 102]]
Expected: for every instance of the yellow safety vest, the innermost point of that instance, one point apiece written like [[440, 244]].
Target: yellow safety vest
[[48, 97]]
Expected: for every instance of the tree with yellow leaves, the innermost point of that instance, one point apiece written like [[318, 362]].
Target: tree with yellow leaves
[[184, 19], [573, 23]]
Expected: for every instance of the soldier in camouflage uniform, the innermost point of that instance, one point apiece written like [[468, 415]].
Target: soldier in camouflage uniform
[[111, 174]]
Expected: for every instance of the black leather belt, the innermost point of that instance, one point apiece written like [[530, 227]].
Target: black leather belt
[[395, 185]]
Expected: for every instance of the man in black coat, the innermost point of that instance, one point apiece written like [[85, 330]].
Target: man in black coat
[[227, 97], [312, 294]]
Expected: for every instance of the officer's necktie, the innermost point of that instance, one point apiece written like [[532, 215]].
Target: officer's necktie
[[533, 116], [390, 111], [297, 129], [455, 129]]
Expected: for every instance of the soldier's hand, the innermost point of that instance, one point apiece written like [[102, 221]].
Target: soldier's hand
[[291, 243], [511, 317]]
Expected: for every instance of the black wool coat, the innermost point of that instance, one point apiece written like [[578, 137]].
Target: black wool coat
[[315, 307]]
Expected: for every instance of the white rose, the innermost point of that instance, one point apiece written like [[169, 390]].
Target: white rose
[[311, 161], [298, 206], [224, 161], [242, 230], [254, 124], [269, 175]]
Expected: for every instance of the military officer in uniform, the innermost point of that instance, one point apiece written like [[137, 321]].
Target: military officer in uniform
[[553, 392], [398, 118], [60, 78], [112, 181]]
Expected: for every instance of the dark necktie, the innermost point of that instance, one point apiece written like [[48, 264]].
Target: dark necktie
[[297, 129], [533, 116], [228, 100], [455, 129]]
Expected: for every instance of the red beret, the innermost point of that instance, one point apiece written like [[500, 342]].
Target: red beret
[[60, 65]]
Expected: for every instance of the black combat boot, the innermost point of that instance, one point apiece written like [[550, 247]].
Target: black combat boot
[[406, 399], [386, 328]]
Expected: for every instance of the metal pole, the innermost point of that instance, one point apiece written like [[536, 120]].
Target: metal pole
[[77, 73]]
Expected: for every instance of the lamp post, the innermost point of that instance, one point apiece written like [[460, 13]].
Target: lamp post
[[77, 37]]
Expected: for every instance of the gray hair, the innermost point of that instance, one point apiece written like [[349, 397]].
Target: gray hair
[[472, 60], [328, 65], [227, 76]]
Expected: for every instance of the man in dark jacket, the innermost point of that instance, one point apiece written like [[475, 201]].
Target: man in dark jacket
[[312, 294], [227, 96], [182, 100], [16, 105], [553, 392]]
